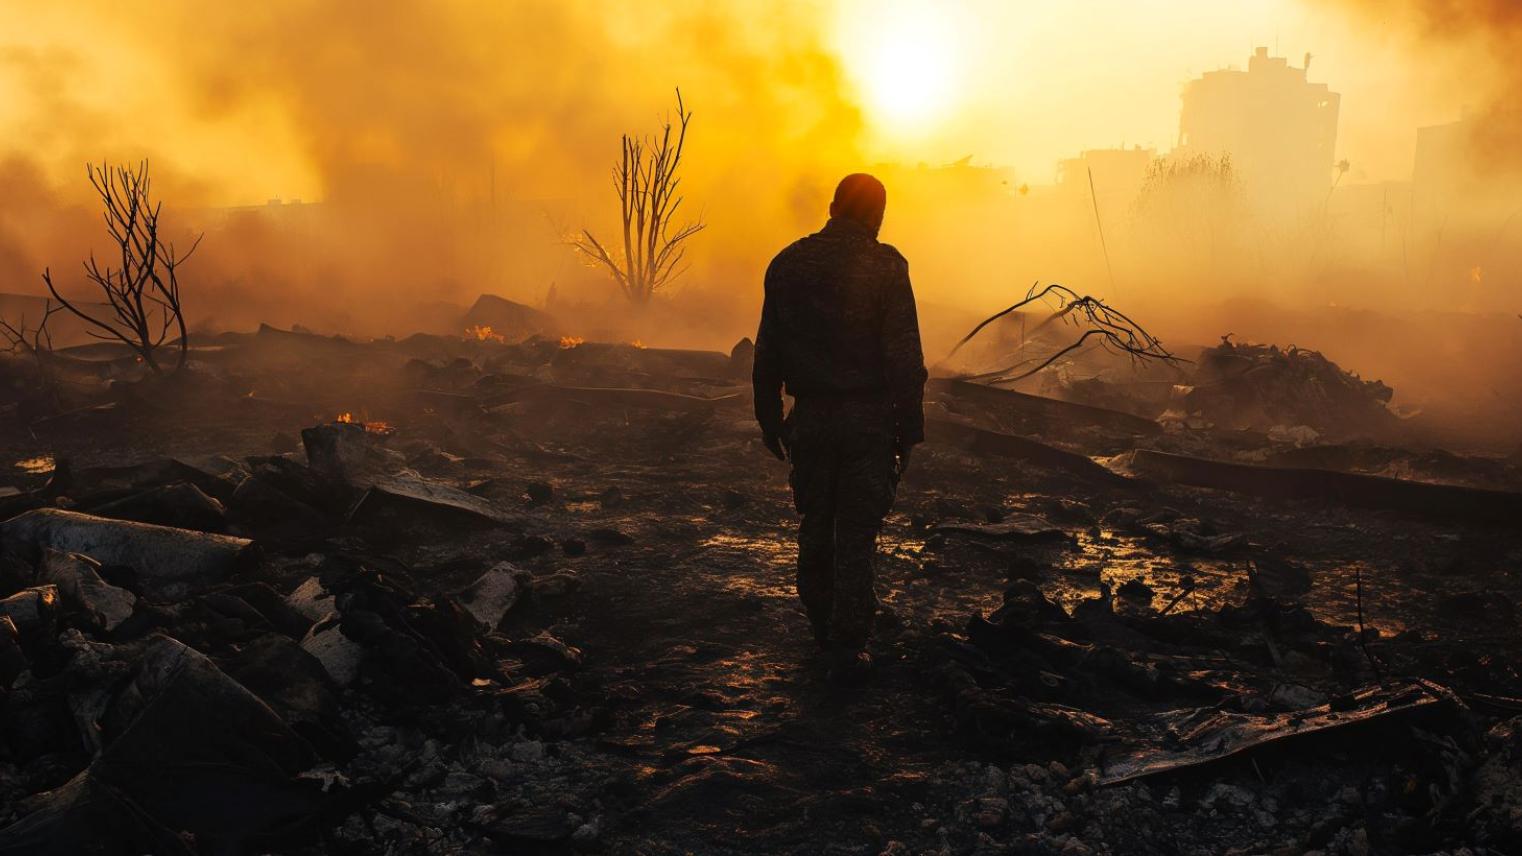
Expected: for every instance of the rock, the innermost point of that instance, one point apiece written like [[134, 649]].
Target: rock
[[492, 595], [12, 659], [33, 611], [181, 505], [181, 732], [167, 561], [558, 584], [88, 816], [528, 752], [538, 492], [588, 833], [544, 654], [297, 687], [310, 599], [339, 655], [507, 320], [1222, 792], [81, 587]]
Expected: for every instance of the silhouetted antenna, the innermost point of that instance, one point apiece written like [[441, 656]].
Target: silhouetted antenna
[[1094, 198]]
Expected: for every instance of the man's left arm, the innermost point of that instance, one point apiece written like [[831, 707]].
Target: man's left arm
[[903, 360], [766, 374]]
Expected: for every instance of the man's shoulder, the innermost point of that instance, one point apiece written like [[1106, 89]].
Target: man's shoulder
[[891, 253]]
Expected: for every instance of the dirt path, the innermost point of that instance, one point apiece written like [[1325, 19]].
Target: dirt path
[[725, 737]]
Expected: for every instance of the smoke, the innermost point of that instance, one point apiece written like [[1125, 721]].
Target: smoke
[[1472, 46], [451, 145]]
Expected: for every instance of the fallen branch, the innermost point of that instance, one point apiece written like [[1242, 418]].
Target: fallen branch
[[1116, 332]]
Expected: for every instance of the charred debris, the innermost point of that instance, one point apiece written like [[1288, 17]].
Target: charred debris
[[514, 591]]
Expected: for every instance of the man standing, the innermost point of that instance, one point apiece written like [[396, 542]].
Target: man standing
[[840, 332]]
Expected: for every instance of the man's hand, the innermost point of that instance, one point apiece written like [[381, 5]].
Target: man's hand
[[774, 444], [901, 451]]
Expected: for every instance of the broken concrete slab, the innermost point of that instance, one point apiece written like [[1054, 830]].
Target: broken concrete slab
[[980, 441], [1019, 527], [347, 452], [168, 561], [1432, 500], [339, 655], [33, 611], [403, 497], [1042, 414], [310, 599], [87, 815], [493, 594], [181, 505], [182, 735], [493, 317], [105, 606], [1189, 738]]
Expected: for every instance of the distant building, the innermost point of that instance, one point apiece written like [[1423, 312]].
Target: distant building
[[1279, 129], [1114, 176], [1445, 178]]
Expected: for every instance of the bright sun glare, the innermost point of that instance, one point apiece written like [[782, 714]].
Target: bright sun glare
[[905, 64]]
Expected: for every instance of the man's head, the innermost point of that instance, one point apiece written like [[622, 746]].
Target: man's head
[[862, 198]]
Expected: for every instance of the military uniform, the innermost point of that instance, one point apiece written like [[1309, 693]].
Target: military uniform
[[840, 332]]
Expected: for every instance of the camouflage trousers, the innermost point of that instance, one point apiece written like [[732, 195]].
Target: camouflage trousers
[[844, 478]]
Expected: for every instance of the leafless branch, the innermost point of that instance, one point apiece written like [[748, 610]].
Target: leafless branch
[[1117, 332], [646, 180], [143, 290]]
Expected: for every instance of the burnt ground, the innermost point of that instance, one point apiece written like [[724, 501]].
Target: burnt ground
[[696, 718]]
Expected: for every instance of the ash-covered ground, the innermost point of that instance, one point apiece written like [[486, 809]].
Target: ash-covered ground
[[446, 595]]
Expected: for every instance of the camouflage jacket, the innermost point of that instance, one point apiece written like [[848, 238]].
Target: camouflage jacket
[[839, 321]]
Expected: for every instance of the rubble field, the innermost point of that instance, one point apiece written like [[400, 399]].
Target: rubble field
[[454, 595]]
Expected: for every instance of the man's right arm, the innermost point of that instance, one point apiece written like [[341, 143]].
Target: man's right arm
[[903, 360], [766, 374]]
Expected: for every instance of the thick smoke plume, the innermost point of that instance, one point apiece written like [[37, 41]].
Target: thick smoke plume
[[451, 145]]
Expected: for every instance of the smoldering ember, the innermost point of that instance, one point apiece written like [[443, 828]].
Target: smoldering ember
[[483, 507]]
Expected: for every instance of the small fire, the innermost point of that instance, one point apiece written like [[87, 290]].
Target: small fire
[[484, 333], [638, 344], [347, 418], [569, 342], [1476, 274]]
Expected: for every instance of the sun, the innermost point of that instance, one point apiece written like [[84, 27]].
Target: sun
[[904, 60]]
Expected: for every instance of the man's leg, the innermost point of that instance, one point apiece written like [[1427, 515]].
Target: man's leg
[[864, 494], [813, 480]]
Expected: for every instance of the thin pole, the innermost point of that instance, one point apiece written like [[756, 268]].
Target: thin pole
[[1101, 226]]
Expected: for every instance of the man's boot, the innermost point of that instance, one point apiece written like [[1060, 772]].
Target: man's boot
[[849, 666]]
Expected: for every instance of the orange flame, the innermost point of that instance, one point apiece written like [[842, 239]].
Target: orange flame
[[345, 417], [569, 342], [484, 333], [638, 344]]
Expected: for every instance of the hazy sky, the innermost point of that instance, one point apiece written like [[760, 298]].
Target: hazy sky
[[1023, 84], [1017, 84]]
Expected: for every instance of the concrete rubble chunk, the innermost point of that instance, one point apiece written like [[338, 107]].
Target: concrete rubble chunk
[[31, 610], [310, 599], [79, 583], [493, 594], [339, 655], [168, 561]]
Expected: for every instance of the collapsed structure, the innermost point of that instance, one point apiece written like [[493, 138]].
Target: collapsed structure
[[472, 594]]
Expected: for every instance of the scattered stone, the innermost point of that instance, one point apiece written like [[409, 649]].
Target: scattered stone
[[78, 580]]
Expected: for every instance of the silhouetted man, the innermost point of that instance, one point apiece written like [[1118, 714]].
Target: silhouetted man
[[839, 331]]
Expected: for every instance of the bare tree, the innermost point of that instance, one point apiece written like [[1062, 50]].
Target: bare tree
[[143, 291], [35, 342], [646, 179]]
